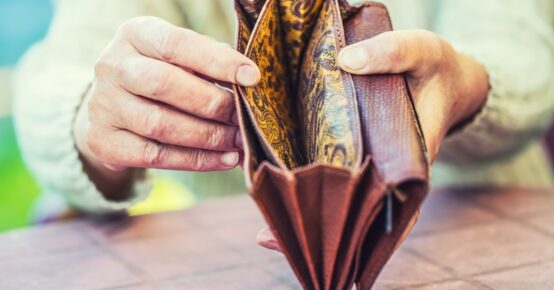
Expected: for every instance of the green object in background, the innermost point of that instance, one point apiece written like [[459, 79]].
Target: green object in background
[[17, 188], [22, 23]]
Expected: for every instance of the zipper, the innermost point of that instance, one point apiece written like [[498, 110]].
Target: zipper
[[392, 193]]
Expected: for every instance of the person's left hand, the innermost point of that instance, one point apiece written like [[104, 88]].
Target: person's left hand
[[448, 87]]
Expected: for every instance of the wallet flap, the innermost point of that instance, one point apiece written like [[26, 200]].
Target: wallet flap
[[328, 109], [390, 127], [277, 197]]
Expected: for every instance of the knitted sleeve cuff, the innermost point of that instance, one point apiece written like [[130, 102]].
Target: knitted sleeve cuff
[[494, 132]]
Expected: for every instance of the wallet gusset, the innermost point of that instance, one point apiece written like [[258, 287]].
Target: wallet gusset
[[336, 163]]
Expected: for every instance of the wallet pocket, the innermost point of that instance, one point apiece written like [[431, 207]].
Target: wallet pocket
[[304, 107], [269, 103], [328, 111]]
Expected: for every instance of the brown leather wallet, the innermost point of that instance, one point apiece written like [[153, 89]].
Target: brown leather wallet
[[336, 163]]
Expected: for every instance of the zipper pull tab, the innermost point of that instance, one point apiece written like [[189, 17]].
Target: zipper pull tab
[[389, 203]]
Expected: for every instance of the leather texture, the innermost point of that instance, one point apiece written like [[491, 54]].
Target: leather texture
[[336, 163]]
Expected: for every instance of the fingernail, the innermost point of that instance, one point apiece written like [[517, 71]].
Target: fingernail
[[353, 58], [238, 140], [230, 159], [247, 75]]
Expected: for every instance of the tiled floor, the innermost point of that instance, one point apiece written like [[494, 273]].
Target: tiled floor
[[465, 239]]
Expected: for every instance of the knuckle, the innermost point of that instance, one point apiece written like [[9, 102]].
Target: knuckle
[[153, 154], [215, 137], [153, 123], [217, 105], [166, 47], [397, 49], [442, 49], [94, 142], [427, 35], [160, 84], [198, 160], [170, 40], [97, 105], [109, 67], [102, 66], [435, 49], [130, 26], [94, 108]]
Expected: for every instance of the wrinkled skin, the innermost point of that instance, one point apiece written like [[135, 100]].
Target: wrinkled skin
[[154, 103]]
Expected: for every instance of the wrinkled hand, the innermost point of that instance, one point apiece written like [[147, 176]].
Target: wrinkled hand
[[448, 87], [154, 103]]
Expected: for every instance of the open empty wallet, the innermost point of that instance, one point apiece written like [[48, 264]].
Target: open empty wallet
[[336, 163]]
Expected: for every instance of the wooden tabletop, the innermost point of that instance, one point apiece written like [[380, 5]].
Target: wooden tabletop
[[465, 239]]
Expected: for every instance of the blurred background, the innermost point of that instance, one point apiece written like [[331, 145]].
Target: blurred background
[[18, 190]]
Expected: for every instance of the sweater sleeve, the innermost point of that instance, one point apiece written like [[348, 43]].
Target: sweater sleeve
[[48, 87], [514, 40]]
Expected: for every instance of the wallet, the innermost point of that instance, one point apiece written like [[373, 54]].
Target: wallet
[[336, 163]]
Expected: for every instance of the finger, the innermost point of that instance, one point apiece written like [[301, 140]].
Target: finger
[[126, 149], [164, 124], [414, 51], [172, 85], [266, 239], [159, 39]]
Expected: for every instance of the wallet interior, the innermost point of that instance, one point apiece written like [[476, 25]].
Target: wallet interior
[[304, 107]]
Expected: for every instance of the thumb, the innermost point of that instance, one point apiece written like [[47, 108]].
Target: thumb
[[413, 51]]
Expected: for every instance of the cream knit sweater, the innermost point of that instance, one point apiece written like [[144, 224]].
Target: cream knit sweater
[[514, 39]]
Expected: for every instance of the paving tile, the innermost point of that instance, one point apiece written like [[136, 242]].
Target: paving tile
[[536, 277], [41, 240], [231, 279], [405, 269], [454, 285], [481, 248], [450, 209], [516, 202], [83, 269], [239, 234], [543, 221], [225, 211], [134, 287], [140, 227], [242, 239], [179, 254], [462, 234], [280, 269]]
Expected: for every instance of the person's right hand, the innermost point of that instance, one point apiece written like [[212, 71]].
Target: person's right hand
[[154, 103]]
